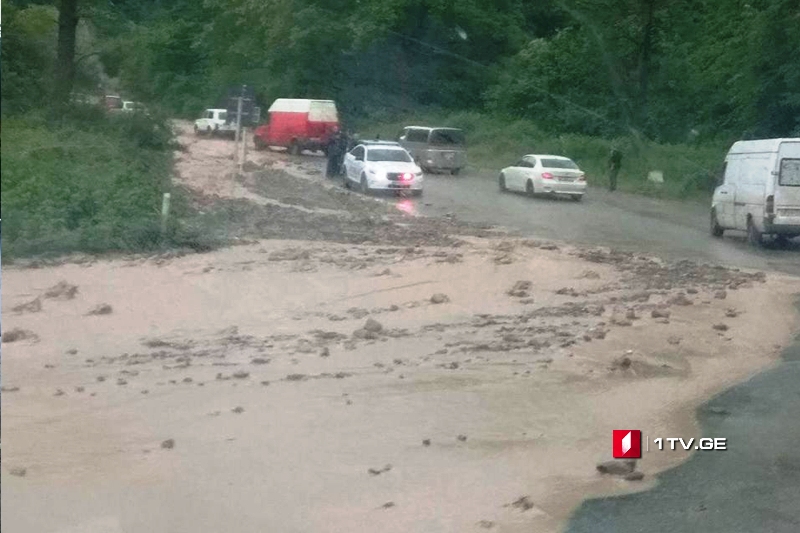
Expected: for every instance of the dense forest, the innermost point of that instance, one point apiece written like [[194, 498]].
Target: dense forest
[[670, 70]]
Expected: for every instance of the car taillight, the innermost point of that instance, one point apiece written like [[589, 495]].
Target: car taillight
[[547, 176], [406, 176], [770, 205], [582, 177]]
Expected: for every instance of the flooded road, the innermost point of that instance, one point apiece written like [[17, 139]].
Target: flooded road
[[671, 229]]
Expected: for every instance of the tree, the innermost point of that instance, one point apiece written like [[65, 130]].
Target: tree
[[65, 57]]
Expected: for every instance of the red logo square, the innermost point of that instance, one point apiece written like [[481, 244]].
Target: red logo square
[[627, 444]]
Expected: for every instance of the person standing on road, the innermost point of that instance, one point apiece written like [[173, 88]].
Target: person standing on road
[[344, 147], [334, 155], [614, 164]]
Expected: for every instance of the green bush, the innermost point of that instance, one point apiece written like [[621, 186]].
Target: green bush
[[86, 182]]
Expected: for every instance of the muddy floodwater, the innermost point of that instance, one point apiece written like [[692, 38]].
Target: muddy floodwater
[[344, 364]]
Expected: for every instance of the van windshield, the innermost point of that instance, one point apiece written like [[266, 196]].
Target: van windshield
[[384, 154], [447, 137]]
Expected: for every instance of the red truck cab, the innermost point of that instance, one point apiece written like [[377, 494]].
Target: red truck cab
[[298, 124]]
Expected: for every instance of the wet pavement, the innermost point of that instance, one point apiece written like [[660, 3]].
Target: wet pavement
[[752, 486], [671, 229]]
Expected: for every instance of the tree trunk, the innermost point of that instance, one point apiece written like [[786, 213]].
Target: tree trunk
[[65, 63], [645, 53]]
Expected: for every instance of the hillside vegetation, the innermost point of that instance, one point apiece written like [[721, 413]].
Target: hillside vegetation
[[671, 84]]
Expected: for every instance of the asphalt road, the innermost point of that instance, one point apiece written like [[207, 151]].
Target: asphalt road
[[671, 229], [753, 486]]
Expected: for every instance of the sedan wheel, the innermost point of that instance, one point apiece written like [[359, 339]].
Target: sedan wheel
[[529, 190], [364, 185], [502, 183], [576, 197]]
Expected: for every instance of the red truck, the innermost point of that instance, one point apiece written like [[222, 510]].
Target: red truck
[[298, 124]]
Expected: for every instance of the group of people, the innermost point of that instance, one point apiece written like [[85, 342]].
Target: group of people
[[338, 145]]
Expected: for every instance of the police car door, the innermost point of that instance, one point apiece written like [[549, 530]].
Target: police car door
[[354, 163]]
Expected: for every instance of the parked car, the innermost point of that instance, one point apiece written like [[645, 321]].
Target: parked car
[[214, 122], [760, 190], [384, 166], [544, 174], [435, 149], [298, 124], [132, 107]]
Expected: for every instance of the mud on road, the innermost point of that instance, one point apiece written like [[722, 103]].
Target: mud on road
[[280, 197], [351, 367]]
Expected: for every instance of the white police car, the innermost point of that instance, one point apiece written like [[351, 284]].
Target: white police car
[[382, 166]]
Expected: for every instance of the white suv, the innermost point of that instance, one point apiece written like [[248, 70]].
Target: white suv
[[384, 166], [211, 122]]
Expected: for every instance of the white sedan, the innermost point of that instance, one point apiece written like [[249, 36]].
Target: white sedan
[[544, 174], [382, 166]]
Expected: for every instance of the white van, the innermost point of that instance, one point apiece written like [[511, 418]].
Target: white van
[[760, 190]]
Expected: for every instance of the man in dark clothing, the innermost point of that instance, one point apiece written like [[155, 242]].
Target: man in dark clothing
[[334, 155], [345, 141], [614, 163]]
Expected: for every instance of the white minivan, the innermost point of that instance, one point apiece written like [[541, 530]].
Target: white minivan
[[760, 190]]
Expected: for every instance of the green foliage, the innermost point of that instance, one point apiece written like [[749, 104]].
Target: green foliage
[[28, 55], [84, 183]]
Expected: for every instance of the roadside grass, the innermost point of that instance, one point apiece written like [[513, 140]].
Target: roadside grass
[[494, 142], [89, 183]]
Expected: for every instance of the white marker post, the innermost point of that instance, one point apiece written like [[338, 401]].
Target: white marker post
[[244, 149], [164, 213]]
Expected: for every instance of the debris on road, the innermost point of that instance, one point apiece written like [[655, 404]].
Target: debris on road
[[102, 309], [61, 291], [18, 334], [617, 467]]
